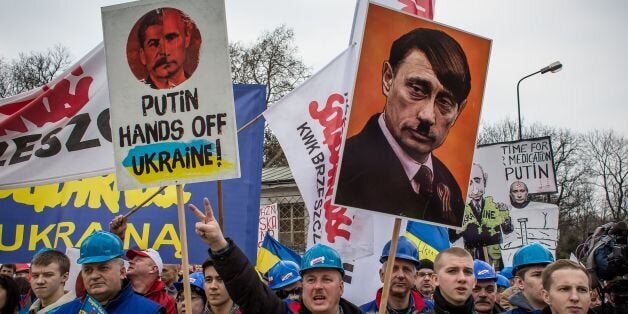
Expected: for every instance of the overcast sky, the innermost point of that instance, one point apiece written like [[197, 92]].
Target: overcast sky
[[588, 37]]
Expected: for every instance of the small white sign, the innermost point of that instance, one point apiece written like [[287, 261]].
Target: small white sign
[[268, 222]]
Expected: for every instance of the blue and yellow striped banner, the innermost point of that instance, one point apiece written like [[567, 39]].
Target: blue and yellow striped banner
[[429, 239]]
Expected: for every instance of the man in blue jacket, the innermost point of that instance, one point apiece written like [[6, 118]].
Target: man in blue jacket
[[104, 278]]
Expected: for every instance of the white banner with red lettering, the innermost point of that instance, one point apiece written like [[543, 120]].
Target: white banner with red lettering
[[308, 124], [58, 132]]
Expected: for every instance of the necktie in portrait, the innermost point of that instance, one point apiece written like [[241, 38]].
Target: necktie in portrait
[[424, 178]]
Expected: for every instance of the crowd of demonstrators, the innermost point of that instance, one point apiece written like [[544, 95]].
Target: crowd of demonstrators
[[228, 283], [321, 272], [485, 290], [402, 297], [104, 277], [425, 280]]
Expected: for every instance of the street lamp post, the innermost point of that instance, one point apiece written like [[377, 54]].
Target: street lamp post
[[553, 67]]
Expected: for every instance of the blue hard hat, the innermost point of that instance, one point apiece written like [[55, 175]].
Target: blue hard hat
[[100, 246], [406, 250], [502, 281], [196, 280], [507, 272], [283, 274], [321, 256], [483, 270], [531, 254]]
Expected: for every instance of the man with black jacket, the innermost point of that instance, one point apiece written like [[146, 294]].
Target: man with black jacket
[[321, 269]]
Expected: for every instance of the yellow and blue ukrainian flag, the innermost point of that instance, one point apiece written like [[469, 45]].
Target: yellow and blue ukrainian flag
[[428, 238], [272, 252]]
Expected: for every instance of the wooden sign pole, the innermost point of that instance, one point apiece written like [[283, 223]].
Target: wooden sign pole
[[389, 266], [187, 294], [221, 213]]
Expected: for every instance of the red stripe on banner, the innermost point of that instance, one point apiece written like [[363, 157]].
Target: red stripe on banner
[[64, 100], [12, 108]]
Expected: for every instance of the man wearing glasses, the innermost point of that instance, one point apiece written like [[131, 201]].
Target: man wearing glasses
[[424, 282]]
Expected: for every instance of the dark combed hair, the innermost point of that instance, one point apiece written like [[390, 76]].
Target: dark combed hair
[[446, 56], [208, 262], [12, 302], [154, 17], [52, 256]]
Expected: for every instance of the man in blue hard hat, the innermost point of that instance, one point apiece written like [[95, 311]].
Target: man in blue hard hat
[[402, 297], [505, 295], [199, 299], [528, 264], [507, 272], [321, 272], [104, 275], [285, 279], [502, 285], [485, 290]]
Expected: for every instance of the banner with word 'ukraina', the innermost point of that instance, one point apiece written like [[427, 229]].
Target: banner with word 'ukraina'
[[172, 112], [308, 124], [500, 216], [62, 215], [48, 133]]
